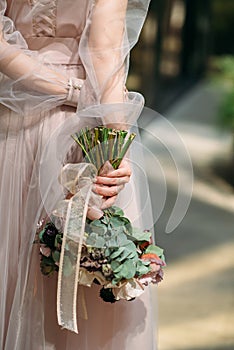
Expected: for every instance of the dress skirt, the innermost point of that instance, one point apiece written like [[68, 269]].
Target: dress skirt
[[27, 298]]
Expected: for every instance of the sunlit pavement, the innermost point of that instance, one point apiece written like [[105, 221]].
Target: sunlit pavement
[[195, 302]]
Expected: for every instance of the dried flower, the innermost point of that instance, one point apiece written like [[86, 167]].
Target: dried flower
[[45, 250], [156, 273]]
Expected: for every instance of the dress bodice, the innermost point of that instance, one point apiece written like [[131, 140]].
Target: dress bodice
[[49, 26]]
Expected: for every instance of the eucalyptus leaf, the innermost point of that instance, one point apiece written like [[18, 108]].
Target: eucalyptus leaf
[[96, 241], [117, 253], [41, 235], [115, 221], [140, 235], [155, 250], [58, 240], [98, 227], [142, 269], [126, 252], [121, 239], [56, 255], [115, 265], [112, 242], [115, 238], [133, 255], [127, 224], [108, 252], [126, 270], [104, 220], [117, 211]]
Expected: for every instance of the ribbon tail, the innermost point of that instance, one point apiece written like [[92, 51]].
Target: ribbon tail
[[69, 265]]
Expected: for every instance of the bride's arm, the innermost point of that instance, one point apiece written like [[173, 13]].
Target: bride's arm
[[113, 30], [26, 83], [106, 40], [16, 65]]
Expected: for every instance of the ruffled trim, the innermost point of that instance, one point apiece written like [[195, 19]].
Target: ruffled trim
[[44, 14]]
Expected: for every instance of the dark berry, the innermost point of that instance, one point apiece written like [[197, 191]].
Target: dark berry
[[50, 232], [107, 295]]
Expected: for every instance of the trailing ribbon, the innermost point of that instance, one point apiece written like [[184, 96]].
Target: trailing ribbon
[[71, 215]]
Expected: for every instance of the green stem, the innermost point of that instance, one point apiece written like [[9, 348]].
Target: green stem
[[111, 140], [124, 150], [76, 139]]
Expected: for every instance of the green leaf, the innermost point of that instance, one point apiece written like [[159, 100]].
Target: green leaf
[[115, 221], [126, 252], [47, 260], [41, 233], [116, 238], [117, 211], [47, 265], [94, 240], [117, 253], [121, 239], [58, 240], [140, 235], [105, 220], [126, 270], [115, 265], [142, 269], [98, 227], [127, 224], [154, 249], [56, 255]]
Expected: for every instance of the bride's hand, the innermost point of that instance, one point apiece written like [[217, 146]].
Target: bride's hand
[[111, 184]]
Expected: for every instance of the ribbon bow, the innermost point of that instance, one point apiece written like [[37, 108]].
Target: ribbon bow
[[70, 214]]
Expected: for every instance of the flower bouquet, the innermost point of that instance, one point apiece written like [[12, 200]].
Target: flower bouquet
[[114, 254]]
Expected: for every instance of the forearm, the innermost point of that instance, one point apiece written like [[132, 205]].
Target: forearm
[[105, 41], [30, 73]]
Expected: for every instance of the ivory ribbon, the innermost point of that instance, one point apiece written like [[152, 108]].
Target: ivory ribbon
[[70, 215]]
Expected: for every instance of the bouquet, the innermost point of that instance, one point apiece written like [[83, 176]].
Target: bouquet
[[116, 255]]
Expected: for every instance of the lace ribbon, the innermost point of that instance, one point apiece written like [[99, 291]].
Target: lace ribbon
[[44, 17], [78, 180]]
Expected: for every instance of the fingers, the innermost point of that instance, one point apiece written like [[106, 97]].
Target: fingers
[[94, 213], [111, 184], [108, 202], [123, 170], [112, 181], [107, 191]]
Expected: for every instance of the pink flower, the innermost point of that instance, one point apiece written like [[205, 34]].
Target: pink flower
[[156, 273], [46, 251]]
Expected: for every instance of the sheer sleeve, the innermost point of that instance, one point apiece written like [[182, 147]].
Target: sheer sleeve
[[112, 30], [27, 84]]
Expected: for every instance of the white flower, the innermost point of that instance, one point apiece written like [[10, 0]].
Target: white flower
[[129, 290]]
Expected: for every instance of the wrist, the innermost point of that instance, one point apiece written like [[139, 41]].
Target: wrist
[[74, 86]]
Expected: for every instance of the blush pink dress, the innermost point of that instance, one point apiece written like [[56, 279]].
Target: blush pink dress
[[35, 127]]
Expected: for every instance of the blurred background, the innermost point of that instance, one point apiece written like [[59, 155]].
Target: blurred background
[[184, 66]]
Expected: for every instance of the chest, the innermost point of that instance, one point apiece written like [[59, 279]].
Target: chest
[[49, 18]]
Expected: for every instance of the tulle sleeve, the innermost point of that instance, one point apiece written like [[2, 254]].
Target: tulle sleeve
[[27, 83], [112, 30]]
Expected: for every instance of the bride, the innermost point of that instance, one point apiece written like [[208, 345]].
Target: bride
[[63, 66]]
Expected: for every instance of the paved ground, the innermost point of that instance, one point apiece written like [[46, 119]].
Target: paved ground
[[196, 298]]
